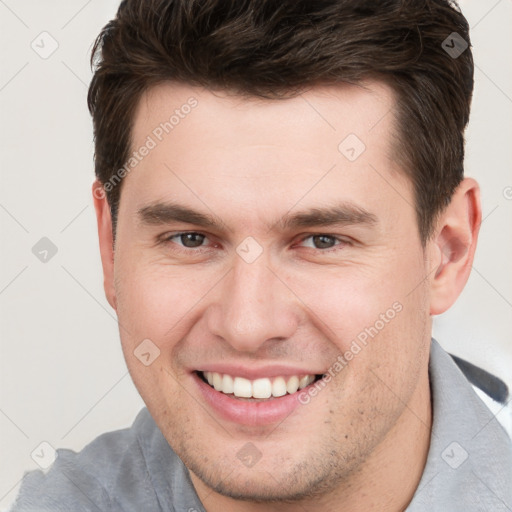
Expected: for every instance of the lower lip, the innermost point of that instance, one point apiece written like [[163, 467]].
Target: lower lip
[[246, 412]]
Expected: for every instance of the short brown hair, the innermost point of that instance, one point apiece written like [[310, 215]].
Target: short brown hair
[[277, 48]]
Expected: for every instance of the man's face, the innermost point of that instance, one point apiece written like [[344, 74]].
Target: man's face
[[270, 291]]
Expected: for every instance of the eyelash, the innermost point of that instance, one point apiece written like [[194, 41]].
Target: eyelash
[[168, 240]]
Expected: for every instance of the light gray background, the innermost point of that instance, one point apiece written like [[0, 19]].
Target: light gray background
[[63, 376]]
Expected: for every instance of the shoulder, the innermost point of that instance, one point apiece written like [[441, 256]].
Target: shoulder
[[469, 464], [109, 469]]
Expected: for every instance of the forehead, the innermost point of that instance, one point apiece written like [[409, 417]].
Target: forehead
[[329, 111], [254, 155]]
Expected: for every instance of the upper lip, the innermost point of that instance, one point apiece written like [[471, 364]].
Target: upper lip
[[268, 371]]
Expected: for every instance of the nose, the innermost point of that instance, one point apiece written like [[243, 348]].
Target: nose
[[254, 307]]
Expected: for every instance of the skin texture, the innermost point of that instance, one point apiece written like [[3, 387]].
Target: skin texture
[[362, 441]]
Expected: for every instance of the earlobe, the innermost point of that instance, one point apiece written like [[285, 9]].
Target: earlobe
[[105, 236], [455, 244]]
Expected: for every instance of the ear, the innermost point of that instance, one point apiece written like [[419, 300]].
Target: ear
[[454, 245], [106, 240]]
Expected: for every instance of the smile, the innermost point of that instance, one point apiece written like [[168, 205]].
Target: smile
[[252, 397], [262, 388]]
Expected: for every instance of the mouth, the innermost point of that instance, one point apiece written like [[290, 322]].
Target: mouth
[[257, 390], [255, 400]]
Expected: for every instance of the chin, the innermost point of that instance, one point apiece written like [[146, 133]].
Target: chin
[[261, 488], [269, 482]]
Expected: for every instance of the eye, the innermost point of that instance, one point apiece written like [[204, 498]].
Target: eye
[[323, 241], [195, 240], [190, 240]]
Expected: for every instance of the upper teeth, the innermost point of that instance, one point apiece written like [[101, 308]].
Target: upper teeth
[[259, 388]]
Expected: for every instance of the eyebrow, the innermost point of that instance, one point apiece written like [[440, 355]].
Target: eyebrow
[[345, 213]]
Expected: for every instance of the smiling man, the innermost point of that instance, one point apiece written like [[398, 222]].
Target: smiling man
[[281, 210]]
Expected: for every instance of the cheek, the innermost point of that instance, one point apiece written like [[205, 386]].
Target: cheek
[[155, 301], [343, 302], [376, 316], [155, 305]]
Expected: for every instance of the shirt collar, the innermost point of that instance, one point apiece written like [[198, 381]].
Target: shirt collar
[[469, 463]]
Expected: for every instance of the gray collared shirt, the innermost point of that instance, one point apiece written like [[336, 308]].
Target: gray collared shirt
[[469, 464]]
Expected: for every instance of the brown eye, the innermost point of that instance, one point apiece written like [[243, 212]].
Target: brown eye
[[192, 239], [321, 241], [324, 241]]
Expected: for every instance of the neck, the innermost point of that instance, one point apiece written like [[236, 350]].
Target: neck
[[387, 481]]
